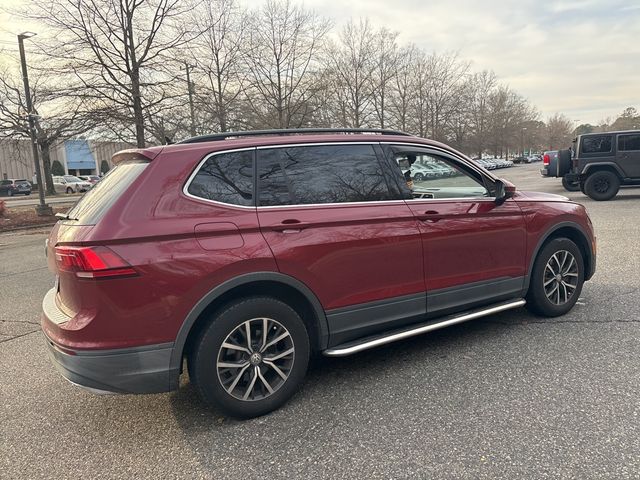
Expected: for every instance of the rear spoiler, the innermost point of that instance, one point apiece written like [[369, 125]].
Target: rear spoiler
[[144, 154]]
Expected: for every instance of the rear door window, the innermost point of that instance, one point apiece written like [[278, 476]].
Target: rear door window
[[314, 174], [97, 201], [629, 142], [596, 144]]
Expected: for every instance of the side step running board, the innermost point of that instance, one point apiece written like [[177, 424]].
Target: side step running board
[[375, 341]]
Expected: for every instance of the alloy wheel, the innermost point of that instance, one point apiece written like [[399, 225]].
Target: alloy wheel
[[560, 278], [255, 359]]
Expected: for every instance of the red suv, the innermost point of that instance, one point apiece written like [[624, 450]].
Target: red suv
[[244, 252]]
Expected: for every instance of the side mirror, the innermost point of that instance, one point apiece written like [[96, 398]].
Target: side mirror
[[504, 190]]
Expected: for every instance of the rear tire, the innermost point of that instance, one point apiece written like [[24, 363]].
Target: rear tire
[[602, 185], [418, 177], [570, 186], [556, 279], [268, 372]]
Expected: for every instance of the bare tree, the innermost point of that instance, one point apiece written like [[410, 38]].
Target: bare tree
[[508, 116], [385, 71], [446, 75], [218, 61], [351, 64], [559, 131], [403, 88], [481, 88], [64, 117], [282, 68], [118, 50]]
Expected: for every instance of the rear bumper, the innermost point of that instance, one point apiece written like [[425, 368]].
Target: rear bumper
[[144, 369], [131, 370]]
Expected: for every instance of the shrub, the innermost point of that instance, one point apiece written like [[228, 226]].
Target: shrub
[[104, 167], [57, 169], [3, 208]]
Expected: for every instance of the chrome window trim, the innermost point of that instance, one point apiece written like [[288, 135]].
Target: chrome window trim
[[319, 144], [437, 150], [347, 204]]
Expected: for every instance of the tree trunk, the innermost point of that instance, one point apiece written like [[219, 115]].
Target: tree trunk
[[46, 167], [137, 110]]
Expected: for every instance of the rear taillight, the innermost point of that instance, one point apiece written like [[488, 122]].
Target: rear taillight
[[546, 159], [92, 262]]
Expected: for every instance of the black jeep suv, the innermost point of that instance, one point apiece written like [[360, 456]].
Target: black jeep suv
[[599, 163]]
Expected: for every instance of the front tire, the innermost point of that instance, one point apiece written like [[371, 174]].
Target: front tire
[[556, 279], [251, 357], [418, 177], [570, 186], [69, 190], [603, 185]]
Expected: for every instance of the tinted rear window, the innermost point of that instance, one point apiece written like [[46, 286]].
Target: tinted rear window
[[226, 178], [629, 142], [321, 174], [95, 203], [596, 144]]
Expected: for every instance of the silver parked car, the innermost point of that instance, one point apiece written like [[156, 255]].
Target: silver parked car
[[70, 184]]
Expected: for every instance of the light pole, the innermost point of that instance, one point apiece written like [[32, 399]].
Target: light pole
[[42, 209], [192, 130], [522, 140]]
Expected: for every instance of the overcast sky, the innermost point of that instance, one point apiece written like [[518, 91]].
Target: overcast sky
[[578, 57]]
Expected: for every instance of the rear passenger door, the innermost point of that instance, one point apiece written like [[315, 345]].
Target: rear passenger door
[[628, 156], [334, 219]]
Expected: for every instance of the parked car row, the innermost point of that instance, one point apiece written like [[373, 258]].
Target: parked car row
[[62, 184], [427, 170], [11, 187], [494, 163], [536, 157]]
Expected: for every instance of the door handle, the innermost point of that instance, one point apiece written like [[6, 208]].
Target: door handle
[[289, 225], [430, 216]]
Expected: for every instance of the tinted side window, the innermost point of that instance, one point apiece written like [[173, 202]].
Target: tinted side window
[[226, 178], [629, 142], [320, 174], [596, 144]]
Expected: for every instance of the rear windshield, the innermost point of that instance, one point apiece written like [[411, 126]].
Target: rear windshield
[[95, 203]]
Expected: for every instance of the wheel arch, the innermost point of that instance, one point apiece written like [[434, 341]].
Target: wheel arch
[[602, 166], [283, 287], [574, 232]]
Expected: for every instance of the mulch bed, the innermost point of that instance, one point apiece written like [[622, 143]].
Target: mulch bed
[[17, 218]]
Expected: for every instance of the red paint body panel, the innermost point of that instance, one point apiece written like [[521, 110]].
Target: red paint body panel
[[348, 254], [468, 241]]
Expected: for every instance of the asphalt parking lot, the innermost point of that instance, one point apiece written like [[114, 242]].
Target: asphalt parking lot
[[508, 396]]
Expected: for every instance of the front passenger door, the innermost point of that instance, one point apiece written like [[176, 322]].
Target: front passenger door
[[474, 248]]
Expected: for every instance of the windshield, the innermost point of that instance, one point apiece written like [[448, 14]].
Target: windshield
[[95, 203]]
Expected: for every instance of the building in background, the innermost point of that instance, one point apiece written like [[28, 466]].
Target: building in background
[[77, 157]]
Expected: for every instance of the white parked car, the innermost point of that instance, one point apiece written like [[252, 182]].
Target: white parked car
[[70, 184]]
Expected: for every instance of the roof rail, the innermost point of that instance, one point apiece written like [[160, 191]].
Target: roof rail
[[292, 131]]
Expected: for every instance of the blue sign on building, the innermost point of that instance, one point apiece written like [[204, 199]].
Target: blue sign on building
[[79, 155]]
